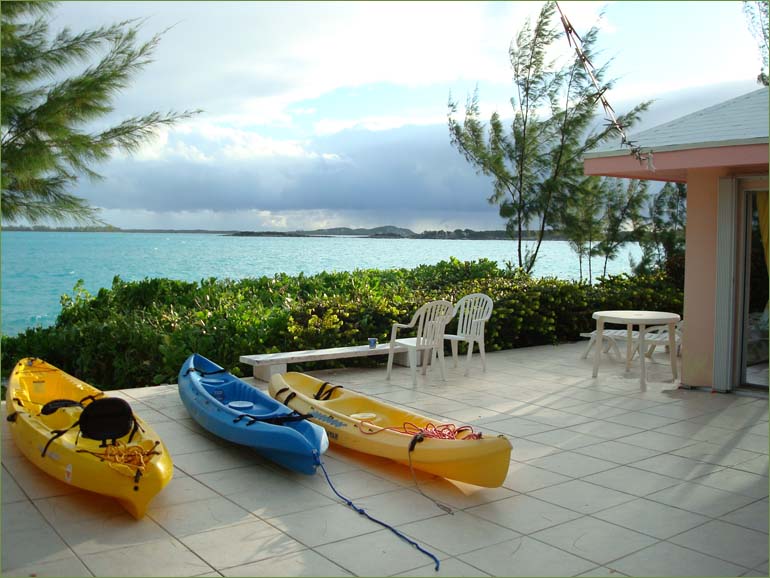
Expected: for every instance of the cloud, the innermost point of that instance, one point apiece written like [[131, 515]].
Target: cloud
[[335, 112], [374, 123], [202, 141], [412, 167], [409, 175], [252, 61]]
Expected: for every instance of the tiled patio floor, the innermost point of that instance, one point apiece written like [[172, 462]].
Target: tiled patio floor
[[604, 480]]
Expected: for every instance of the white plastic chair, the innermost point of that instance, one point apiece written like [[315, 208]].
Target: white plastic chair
[[472, 312], [655, 336], [610, 338], [430, 321]]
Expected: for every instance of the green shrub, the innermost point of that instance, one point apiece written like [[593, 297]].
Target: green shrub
[[139, 333]]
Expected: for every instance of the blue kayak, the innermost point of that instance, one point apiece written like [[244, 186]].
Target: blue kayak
[[233, 410]]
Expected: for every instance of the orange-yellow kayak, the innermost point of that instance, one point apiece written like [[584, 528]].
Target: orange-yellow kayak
[[52, 414], [374, 427]]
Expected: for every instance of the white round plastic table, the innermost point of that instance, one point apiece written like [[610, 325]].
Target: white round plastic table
[[643, 319]]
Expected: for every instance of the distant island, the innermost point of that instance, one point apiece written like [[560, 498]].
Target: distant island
[[106, 229], [391, 232], [385, 232]]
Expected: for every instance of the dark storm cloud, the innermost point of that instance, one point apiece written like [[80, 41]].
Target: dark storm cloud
[[411, 167]]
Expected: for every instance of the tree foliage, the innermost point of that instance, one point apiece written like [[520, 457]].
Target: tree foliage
[[598, 216], [661, 232], [623, 202], [49, 113], [138, 333], [756, 12], [581, 220], [537, 161]]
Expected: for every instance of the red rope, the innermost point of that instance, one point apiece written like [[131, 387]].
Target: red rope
[[447, 431]]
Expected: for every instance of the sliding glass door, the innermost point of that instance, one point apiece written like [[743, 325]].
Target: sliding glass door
[[754, 342]]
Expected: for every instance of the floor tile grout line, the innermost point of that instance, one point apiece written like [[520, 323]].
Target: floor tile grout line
[[267, 520], [259, 519], [616, 395], [678, 546], [60, 536]]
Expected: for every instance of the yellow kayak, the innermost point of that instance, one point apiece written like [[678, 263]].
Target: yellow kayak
[[77, 434], [374, 427]]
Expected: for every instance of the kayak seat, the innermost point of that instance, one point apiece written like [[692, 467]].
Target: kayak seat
[[56, 404], [218, 388], [64, 417], [245, 397], [108, 418], [215, 381], [240, 405]]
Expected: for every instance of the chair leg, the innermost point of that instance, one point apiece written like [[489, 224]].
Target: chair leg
[[413, 365], [427, 355], [483, 355], [390, 363], [453, 343], [590, 345], [468, 358], [440, 357]]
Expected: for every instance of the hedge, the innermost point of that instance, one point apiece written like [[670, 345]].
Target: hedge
[[138, 333]]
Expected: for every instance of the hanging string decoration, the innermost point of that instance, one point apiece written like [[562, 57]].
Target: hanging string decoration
[[574, 40]]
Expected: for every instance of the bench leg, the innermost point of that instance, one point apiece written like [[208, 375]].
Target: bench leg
[[402, 358], [265, 372]]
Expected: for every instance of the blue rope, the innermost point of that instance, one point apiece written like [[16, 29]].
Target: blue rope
[[380, 522]]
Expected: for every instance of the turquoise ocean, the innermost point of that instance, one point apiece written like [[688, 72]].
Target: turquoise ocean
[[39, 267]]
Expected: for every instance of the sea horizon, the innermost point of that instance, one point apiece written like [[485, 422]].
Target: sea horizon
[[341, 231]]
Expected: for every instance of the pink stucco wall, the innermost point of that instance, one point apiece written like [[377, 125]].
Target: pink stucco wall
[[700, 276]]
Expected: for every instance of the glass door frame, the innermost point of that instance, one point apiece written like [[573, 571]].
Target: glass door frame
[[747, 187]]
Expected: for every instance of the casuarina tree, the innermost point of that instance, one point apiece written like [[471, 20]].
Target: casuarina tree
[[756, 12], [536, 160], [52, 119], [623, 203], [581, 221], [598, 216], [661, 232]]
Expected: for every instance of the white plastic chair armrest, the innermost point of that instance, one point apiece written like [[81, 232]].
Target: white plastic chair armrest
[[660, 332], [394, 330]]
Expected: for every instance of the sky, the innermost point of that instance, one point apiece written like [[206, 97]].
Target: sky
[[327, 114]]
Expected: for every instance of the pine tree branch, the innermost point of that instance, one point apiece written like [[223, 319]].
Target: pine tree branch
[[44, 145]]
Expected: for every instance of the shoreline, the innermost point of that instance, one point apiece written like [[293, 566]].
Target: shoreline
[[464, 235]]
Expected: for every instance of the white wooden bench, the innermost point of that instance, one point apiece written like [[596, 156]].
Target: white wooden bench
[[268, 364]]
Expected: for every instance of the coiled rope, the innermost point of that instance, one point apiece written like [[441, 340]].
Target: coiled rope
[[373, 519], [448, 431], [135, 457]]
